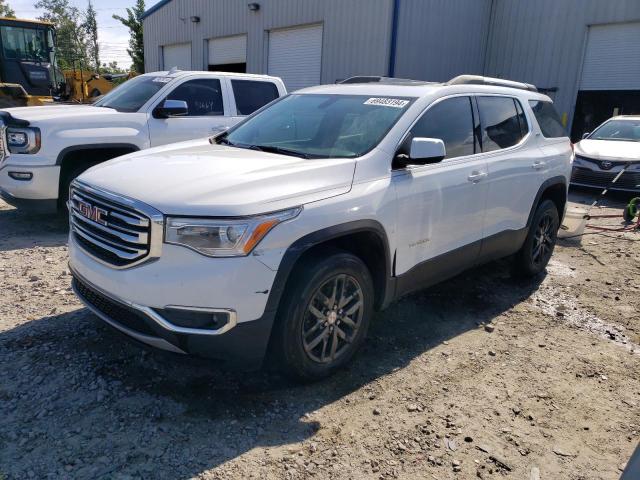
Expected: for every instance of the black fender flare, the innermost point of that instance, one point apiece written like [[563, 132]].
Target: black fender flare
[[93, 146], [303, 244], [550, 182]]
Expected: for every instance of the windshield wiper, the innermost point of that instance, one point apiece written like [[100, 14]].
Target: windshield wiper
[[280, 150], [223, 140]]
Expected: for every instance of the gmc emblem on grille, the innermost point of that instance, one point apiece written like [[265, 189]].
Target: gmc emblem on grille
[[97, 214]]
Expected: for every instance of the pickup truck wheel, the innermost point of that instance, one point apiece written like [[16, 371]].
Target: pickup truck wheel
[[538, 247], [326, 315], [63, 194]]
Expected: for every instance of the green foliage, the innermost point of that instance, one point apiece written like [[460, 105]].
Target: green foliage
[[133, 21], [72, 36], [6, 11], [112, 67], [90, 27]]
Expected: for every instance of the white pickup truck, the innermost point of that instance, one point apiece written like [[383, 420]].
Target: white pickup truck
[[42, 149]]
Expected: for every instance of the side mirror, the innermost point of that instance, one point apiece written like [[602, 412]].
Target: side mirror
[[423, 151], [171, 108], [585, 135]]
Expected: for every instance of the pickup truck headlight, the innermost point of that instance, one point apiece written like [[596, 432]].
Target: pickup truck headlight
[[23, 139], [221, 237]]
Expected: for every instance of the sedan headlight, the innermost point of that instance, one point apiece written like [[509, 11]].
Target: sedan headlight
[[23, 140], [221, 237]]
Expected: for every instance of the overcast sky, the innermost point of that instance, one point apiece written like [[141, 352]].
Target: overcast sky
[[112, 35]]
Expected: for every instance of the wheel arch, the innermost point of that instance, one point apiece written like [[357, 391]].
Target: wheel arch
[[367, 239], [554, 189]]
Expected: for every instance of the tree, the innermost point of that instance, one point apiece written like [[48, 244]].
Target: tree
[[71, 41], [6, 10], [136, 44], [90, 26]]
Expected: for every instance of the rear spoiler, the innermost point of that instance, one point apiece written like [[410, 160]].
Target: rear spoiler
[[11, 121]]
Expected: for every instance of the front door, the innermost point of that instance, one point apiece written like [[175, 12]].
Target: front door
[[441, 206], [206, 115]]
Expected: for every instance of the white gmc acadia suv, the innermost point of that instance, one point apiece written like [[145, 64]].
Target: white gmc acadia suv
[[42, 149], [282, 235]]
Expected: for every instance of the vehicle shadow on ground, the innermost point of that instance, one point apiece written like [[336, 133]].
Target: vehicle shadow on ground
[[20, 229], [88, 404]]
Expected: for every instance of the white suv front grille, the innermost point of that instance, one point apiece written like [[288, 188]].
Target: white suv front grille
[[110, 229]]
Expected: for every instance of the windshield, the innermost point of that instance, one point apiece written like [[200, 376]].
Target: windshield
[[23, 43], [622, 130], [319, 126], [133, 94]]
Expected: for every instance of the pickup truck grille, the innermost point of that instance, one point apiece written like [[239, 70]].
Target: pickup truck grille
[[108, 230]]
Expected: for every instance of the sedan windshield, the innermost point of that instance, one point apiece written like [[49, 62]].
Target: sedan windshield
[[132, 94], [622, 130], [319, 126]]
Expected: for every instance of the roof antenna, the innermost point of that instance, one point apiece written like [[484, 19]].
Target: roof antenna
[[174, 70]]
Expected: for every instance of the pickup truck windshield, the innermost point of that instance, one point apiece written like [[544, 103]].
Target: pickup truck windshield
[[132, 94], [622, 130], [320, 126]]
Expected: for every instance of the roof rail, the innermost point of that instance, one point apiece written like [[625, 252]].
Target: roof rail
[[497, 82], [382, 80]]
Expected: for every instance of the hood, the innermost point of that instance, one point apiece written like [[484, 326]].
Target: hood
[[200, 179], [608, 149], [53, 112]]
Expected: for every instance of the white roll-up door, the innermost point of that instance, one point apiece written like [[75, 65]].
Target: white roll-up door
[[295, 55], [177, 55], [223, 51], [612, 57]]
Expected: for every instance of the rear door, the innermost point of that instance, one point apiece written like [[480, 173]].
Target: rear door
[[515, 166], [208, 112], [246, 96]]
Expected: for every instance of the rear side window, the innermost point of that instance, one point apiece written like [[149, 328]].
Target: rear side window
[[548, 119], [500, 123], [451, 121], [251, 95], [203, 96]]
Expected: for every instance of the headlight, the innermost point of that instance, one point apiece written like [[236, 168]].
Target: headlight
[[224, 238], [23, 140]]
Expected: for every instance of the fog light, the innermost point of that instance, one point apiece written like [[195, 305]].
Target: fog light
[[24, 176], [191, 318]]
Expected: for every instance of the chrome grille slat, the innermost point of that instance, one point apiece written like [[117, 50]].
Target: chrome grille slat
[[138, 238], [114, 230]]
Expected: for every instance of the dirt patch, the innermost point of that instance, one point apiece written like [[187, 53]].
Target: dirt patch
[[551, 386]]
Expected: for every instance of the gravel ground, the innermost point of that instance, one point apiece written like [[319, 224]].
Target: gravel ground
[[480, 377]]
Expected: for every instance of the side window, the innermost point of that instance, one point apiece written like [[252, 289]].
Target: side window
[[251, 95], [451, 121], [548, 119], [203, 96], [500, 123]]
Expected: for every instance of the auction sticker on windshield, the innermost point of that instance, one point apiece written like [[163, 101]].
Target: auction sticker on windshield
[[387, 102], [162, 79]]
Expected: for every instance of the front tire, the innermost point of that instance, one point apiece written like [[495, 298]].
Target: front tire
[[538, 247], [326, 313]]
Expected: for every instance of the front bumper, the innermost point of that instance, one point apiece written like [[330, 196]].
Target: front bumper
[[629, 181], [39, 193], [242, 346], [129, 299]]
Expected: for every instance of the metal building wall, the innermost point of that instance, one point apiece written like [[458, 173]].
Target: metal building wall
[[439, 39], [543, 41], [355, 38]]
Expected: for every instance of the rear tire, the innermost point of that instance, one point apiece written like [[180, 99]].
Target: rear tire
[[538, 247], [325, 315]]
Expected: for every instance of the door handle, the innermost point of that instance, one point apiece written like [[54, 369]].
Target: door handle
[[538, 165], [476, 176]]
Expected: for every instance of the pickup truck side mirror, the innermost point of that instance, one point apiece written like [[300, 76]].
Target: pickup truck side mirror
[[422, 152], [585, 135], [171, 108]]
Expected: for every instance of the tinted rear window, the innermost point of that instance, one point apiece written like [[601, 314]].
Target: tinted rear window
[[500, 123], [251, 95], [548, 119]]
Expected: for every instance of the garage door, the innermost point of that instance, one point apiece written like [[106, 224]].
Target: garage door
[[228, 50], [177, 55], [295, 55], [612, 59]]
